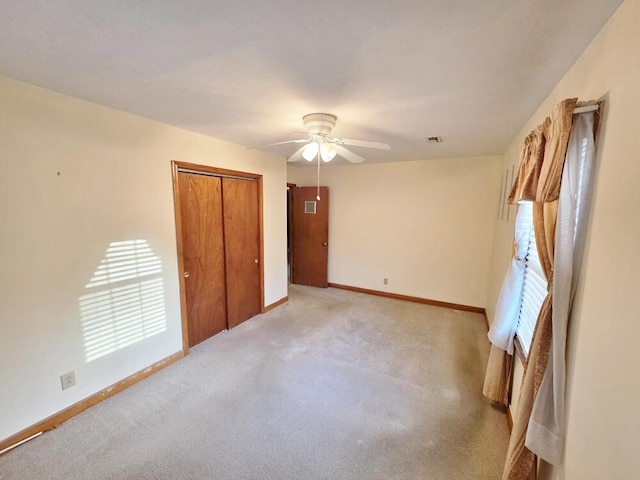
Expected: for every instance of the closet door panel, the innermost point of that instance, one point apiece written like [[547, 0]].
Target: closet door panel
[[203, 253], [242, 248]]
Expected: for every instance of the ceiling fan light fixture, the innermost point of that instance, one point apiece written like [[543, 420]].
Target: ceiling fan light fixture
[[310, 151], [319, 123], [319, 145], [327, 152]]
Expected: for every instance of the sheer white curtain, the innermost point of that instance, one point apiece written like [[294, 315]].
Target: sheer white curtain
[[545, 435]]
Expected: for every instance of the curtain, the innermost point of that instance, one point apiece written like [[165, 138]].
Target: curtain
[[520, 459], [539, 180], [530, 166], [545, 432], [533, 154], [542, 157], [560, 227], [503, 328], [498, 376]]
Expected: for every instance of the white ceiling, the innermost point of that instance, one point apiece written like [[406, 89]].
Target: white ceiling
[[246, 71]]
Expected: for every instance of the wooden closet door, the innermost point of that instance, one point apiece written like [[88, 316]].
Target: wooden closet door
[[203, 254], [242, 248]]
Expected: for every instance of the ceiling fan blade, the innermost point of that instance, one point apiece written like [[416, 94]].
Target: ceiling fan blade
[[301, 140], [361, 143], [348, 154], [297, 155]]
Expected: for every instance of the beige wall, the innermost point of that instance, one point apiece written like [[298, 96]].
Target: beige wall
[[424, 225], [75, 178], [603, 430]]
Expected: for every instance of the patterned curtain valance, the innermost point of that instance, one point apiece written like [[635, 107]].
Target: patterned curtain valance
[[542, 157]]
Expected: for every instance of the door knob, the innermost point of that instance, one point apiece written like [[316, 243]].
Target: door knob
[[256, 260], [186, 274], [324, 244]]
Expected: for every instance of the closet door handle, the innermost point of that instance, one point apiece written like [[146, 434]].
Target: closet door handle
[[186, 274], [324, 244], [256, 260]]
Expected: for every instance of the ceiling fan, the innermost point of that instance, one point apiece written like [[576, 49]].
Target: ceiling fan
[[320, 145]]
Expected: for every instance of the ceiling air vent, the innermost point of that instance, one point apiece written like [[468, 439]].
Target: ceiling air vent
[[435, 139]]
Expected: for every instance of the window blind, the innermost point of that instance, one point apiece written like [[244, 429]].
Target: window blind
[[534, 289]]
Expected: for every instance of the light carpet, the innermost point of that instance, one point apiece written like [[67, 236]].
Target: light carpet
[[332, 385]]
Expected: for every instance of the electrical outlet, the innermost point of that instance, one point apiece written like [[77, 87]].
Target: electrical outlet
[[68, 380], [385, 281]]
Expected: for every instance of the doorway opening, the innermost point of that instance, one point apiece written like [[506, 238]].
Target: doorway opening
[[289, 231]]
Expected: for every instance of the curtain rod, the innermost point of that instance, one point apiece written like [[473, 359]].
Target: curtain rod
[[588, 108]]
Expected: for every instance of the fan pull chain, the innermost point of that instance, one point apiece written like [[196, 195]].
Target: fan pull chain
[[318, 183]]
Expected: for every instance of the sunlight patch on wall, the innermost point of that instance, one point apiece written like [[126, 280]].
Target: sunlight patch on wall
[[125, 303]]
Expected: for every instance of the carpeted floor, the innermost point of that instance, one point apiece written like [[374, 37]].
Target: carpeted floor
[[332, 385]]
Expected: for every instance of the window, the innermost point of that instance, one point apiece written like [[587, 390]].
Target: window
[[534, 288]]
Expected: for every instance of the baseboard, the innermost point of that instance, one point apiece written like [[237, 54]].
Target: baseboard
[[282, 301], [396, 296], [509, 418], [62, 416]]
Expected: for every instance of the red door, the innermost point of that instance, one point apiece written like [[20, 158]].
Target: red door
[[310, 236]]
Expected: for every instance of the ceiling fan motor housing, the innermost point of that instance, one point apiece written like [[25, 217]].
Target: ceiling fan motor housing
[[319, 123]]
